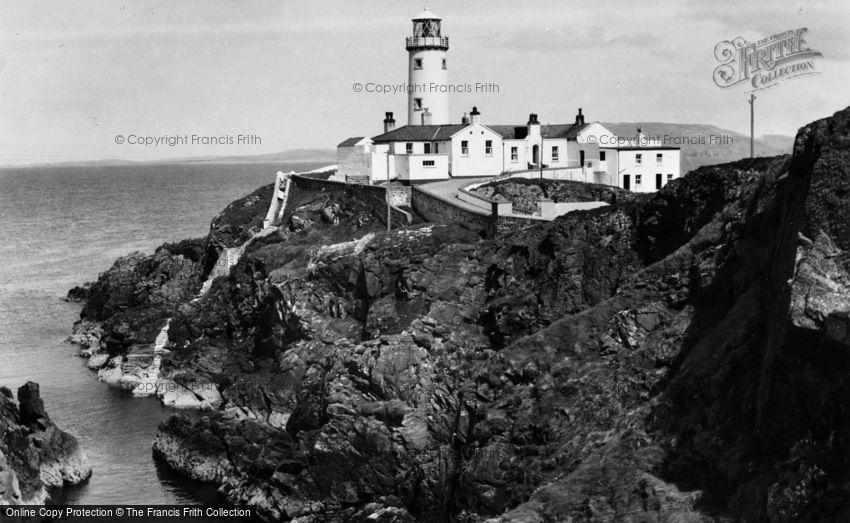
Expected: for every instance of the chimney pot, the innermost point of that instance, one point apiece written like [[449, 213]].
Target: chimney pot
[[464, 119], [389, 122]]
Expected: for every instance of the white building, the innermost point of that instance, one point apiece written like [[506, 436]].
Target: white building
[[642, 164], [427, 103], [430, 148]]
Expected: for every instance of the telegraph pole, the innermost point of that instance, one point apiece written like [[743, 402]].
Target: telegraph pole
[[751, 101]]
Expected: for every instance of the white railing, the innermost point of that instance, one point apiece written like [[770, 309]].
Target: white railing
[[427, 41]]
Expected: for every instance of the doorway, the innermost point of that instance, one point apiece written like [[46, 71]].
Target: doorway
[[658, 181], [627, 182], [535, 154]]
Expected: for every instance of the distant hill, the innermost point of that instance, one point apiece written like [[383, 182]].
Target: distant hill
[[291, 155], [697, 154], [779, 141]]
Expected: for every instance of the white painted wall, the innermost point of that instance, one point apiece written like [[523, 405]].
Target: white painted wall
[[476, 162], [522, 155], [412, 168], [380, 164], [643, 174], [427, 80], [355, 160]]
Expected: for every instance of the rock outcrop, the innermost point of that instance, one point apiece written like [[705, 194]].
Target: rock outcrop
[[35, 455], [679, 356], [526, 193]]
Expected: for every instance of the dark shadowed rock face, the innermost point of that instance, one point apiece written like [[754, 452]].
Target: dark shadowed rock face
[[233, 226], [35, 455], [675, 357], [828, 200]]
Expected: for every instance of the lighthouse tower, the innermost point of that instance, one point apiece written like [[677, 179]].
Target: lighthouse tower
[[427, 99]]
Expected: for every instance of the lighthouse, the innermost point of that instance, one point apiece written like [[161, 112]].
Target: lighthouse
[[428, 98]]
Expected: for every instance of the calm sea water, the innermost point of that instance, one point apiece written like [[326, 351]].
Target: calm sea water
[[60, 227]]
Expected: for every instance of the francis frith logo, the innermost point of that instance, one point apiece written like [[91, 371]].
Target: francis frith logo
[[764, 63]]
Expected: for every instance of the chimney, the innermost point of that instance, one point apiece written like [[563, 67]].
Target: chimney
[[389, 122], [464, 119], [579, 117], [476, 116], [533, 126], [640, 138], [426, 117]]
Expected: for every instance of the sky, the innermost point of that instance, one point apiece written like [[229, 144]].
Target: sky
[[75, 75]]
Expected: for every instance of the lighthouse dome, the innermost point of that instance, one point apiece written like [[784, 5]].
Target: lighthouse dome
[[427, 14]]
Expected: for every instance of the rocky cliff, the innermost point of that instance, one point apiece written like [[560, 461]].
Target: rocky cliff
[[35, 455], [676, 357]]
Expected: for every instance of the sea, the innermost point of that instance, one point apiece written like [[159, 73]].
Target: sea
[[61, 227]]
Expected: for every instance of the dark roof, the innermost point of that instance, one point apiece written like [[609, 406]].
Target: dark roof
[[519, 132], [510, 132], [350, 142], [432, 133], [420, 133]]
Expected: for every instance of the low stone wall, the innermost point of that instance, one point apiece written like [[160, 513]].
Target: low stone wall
[[505, 225], [431, 207], [400, 195], [439, 210], [485, 204]]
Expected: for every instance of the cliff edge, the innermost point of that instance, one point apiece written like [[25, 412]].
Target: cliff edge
[[675, 357], [35, 455]]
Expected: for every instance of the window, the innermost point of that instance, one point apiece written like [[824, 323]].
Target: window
[[417, 104], [637, 178], [417, 63], [669, 177], [514, 154], [488, 147], [428, 163], [638, 161], [555, 153], [601, 156], [408, 148], [436, 148], [444, 63], [659, 159], [464, 148], [427, 148]]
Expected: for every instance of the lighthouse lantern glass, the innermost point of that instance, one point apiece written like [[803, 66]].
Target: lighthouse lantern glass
[[426, 28]]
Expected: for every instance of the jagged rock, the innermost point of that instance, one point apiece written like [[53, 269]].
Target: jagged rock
[[658, 359], [235, 224], [31, 408], [200, 396], [35, 455], [821, 283], [331, 214], [525, 193], [299, 223], [80, 293]]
